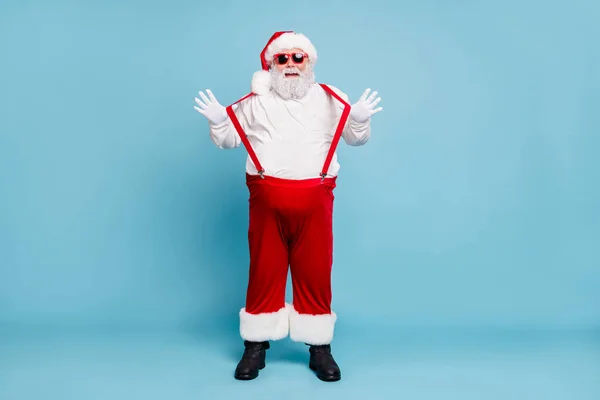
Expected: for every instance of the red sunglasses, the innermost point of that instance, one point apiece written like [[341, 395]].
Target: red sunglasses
[[283, 58]]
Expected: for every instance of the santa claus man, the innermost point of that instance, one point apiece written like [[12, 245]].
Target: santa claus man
[[290, 126]]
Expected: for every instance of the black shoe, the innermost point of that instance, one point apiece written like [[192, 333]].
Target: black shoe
[[252, 360], [322, 362]]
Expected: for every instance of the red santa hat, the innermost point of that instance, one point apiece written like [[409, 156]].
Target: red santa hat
[[280, 41]]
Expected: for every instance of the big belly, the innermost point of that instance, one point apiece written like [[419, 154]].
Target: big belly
[[295, 159]]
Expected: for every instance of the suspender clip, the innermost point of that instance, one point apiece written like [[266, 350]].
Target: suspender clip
[[262, 173]]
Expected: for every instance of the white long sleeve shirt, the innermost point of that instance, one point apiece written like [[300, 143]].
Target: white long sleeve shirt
[[291, 138]]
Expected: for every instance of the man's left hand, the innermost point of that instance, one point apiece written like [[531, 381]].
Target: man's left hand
[[363, 109]]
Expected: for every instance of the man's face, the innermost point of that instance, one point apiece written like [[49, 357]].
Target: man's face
[[290, 59], [292, 74]]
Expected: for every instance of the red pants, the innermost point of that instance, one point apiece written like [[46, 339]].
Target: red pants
[[290, 227]]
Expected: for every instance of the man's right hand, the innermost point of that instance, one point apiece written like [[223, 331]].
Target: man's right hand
[[211, 108]]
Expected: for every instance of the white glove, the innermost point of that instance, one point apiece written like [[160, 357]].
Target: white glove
[[211, 108], [363, 108]]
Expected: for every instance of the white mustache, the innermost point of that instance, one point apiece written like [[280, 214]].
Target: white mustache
[[291, 70]]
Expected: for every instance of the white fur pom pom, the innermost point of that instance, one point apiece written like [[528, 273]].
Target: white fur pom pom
[[261, 82]]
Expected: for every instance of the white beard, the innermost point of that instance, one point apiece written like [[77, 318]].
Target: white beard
[[292, 88]]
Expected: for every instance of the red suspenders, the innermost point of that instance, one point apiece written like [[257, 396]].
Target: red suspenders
[[334, 142], [338, 130], [243, 135]]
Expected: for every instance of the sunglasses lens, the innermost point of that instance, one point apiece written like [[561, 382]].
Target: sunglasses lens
[[298, 58], [282, 59]]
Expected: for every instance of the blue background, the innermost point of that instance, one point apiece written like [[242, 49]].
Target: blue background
[[470, 220]]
